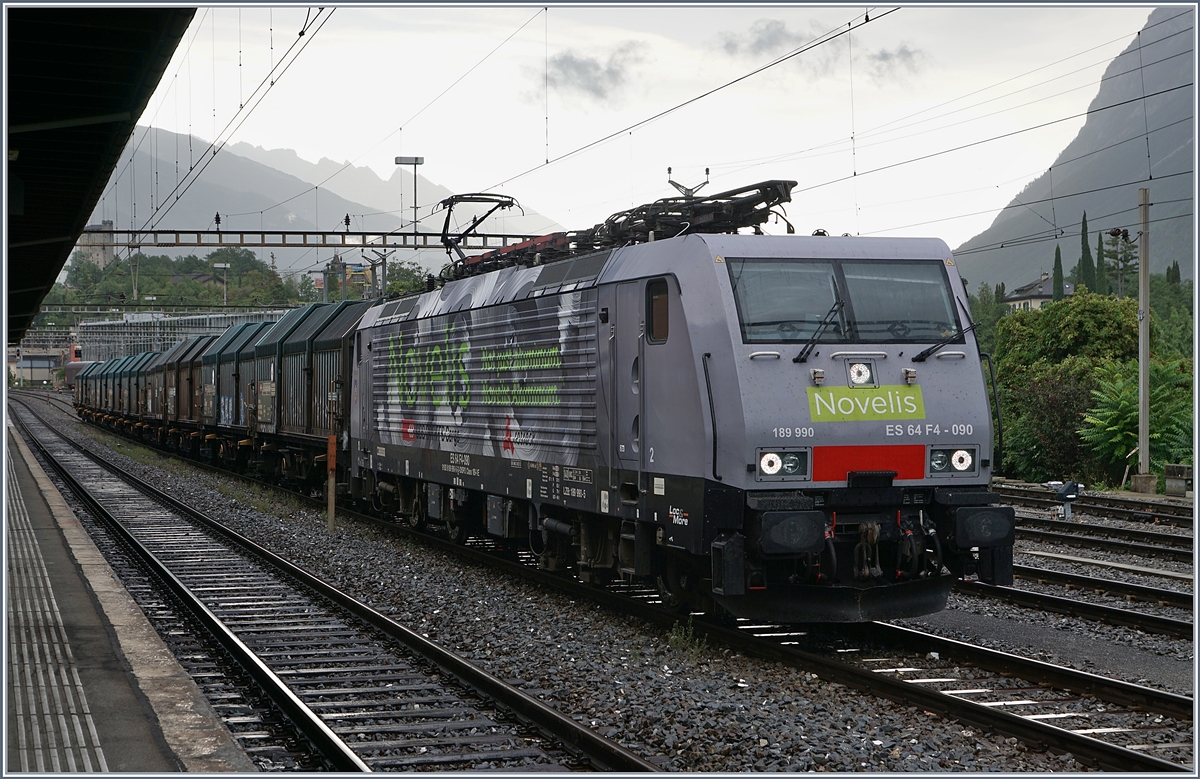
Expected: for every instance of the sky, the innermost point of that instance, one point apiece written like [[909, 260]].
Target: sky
[[579, 111]]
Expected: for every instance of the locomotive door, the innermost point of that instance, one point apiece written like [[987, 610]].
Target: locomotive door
[[627, 368]]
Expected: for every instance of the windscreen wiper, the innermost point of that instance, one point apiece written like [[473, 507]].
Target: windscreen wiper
[[826, 322], [966, 312], [923, 355]]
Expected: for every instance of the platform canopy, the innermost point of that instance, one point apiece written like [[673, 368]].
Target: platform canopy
[[78, 81]]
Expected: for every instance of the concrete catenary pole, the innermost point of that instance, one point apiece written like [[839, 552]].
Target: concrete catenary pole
[[1144, 332]]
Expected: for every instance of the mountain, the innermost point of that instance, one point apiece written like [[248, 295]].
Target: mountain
[[272, 189], [1101, 170], [360, 184]]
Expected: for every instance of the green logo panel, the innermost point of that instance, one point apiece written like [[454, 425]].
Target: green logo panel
[[866, 404]]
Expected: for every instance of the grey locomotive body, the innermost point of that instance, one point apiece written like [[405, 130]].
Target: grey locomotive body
[[795, 427], [787, 428]]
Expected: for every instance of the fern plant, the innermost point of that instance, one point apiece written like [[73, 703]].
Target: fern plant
[[1110, 427]]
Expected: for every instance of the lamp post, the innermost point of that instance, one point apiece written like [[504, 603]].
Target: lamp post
[[225, 283], [414, 161]]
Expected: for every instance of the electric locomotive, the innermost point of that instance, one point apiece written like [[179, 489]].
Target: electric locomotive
[[794, 428]]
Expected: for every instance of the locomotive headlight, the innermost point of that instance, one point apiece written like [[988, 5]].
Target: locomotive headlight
[[791, 463], [860, 373], [946, 461], [770, 463]]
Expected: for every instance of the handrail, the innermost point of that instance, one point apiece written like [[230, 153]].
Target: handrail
[[712, 413]]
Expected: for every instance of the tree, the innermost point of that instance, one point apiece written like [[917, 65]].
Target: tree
[[240, 261], [1086, 269], [82, 273], [307, 290], [1058, 292], [986, 310], [405, 277], [1171, 320], [1102, 287], [1124, 266], [191, 264], [1173, 274]]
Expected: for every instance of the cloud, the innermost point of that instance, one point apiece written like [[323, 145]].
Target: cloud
[[886, 65], [772, 38], [766, 36], [570, 72]]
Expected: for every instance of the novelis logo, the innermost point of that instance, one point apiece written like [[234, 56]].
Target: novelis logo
[[845, 404]]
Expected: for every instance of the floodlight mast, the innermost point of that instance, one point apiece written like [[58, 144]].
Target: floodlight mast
[[414, 161], [224, 283]]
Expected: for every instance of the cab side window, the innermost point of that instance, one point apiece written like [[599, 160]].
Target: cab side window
[[657, 317]]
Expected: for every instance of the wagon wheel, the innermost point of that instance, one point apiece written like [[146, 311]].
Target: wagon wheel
[[456, 526], [418, 513], [458, 521]]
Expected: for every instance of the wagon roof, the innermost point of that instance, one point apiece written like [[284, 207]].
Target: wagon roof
[[109, 366], [190, 350], [300, 339], [169, 356], [340, 326], [244, 340], [137, 362], [269, 343], [216, 347]]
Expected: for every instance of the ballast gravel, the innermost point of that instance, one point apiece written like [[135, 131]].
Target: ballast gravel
[[688, 707]]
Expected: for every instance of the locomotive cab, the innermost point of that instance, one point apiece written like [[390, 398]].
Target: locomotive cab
[[862, 449]]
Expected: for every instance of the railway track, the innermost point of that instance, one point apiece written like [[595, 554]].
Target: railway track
[[1107, 719], [1126, 590], [366, 693], [1135, 727], [1108, 539], [1167, 513], [1149, 623]]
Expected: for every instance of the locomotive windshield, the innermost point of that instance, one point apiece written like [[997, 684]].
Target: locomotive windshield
[[886, 301]]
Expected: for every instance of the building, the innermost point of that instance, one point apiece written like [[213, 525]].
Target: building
[[92, 245], [35, 367], [1036, 294]]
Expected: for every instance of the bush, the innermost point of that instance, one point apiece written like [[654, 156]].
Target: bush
[[1043, 415], [1044, 365]]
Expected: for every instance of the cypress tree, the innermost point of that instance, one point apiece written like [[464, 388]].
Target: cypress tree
[[1101, 266], [1058, 275], [1087, 270]]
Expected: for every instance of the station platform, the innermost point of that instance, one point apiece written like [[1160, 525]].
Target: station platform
[[89, 684]]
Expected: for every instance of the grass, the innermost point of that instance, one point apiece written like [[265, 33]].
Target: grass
[[683, 641], [258, 498], [134, 451]]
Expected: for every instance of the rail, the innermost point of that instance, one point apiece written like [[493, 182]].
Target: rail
[[1034, 731]]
